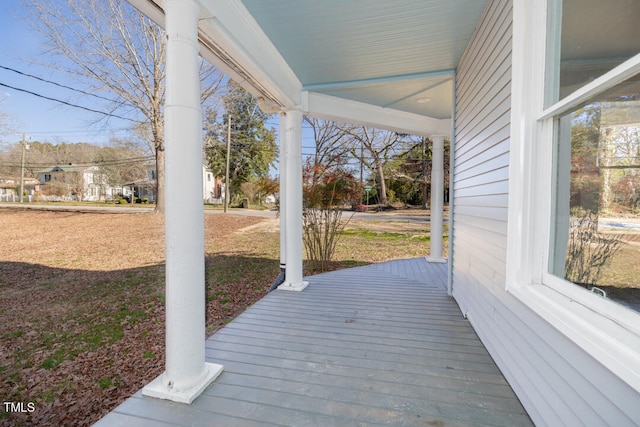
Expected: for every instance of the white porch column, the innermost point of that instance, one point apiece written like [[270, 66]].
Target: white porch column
[[437, 200], [292, 155], [283, 192], [186, 373]]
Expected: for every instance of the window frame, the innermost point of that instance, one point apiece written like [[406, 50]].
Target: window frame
[[606, 330]]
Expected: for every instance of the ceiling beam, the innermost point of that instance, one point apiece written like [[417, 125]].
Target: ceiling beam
[[342, 110], [319, 87]]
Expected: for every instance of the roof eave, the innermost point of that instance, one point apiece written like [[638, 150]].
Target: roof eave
[[233, 41]]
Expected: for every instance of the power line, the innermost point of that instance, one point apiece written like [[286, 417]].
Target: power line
[[82, 131], [70, 104], [56, 84], [113, 162]]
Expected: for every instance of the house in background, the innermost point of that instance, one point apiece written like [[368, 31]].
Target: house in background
[[73, 182], [513, 83], [146, 188], [88, 183], [81, 183], [212, 187], [10, 189], [142, 188]]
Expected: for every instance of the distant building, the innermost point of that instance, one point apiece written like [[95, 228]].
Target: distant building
[[10, 189], [73, 182], [212, 187]]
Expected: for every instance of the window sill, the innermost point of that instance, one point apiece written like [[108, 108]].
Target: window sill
[[604, 329]]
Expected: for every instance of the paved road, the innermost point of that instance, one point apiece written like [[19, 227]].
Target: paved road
[[76, 208], [624, 224], [399, 216], [413, 216]]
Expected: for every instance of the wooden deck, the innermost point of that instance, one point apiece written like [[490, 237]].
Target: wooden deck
[[381, 344]]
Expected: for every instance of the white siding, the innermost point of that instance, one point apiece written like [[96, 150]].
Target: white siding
[[557, 382], [482, 154]]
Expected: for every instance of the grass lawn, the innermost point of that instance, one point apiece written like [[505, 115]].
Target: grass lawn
[[82, 299]]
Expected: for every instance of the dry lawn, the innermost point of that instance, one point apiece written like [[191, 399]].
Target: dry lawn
[[82, 300], [81, 306]]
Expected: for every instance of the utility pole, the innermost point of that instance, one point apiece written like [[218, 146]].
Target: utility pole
[[24, 147], [226, 179]]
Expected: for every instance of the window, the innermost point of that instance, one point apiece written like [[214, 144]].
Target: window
[[597, 214], [574, 167], [590, 38], [596, 220]]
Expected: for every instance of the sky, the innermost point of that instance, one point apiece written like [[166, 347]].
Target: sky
[[40, 119]]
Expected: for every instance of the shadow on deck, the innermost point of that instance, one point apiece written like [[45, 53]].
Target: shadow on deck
[[380, 344]]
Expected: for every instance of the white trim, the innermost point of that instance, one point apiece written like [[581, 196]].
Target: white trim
[[233, 41], [452, 170], [625, 317], [527, 88], [602, 83], [153, 10], [239, 47], [607, 331], [343, 110], [158, 387], [605, 340], [371, 81]]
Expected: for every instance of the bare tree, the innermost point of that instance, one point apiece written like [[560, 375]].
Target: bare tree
[[588, 250], [373, 148], [331, 140], [6, 121], [121, 162], [114, 50]]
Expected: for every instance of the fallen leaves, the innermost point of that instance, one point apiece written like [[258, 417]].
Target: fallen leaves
[[82, 306]]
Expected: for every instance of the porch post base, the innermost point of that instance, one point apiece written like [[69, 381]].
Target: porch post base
[[157, 389], [296, 287], [436, 260]]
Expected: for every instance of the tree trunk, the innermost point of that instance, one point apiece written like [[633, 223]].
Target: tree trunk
[[382, 186], [160, 199], [157, 132], [425, 194]]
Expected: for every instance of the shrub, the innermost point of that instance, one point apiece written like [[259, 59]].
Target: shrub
[[325, 191], [589, 250]]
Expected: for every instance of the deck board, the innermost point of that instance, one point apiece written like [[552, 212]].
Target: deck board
[[374, 345]]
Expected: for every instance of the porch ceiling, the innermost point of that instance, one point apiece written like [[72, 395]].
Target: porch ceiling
[[390, 54], [392, 60]]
